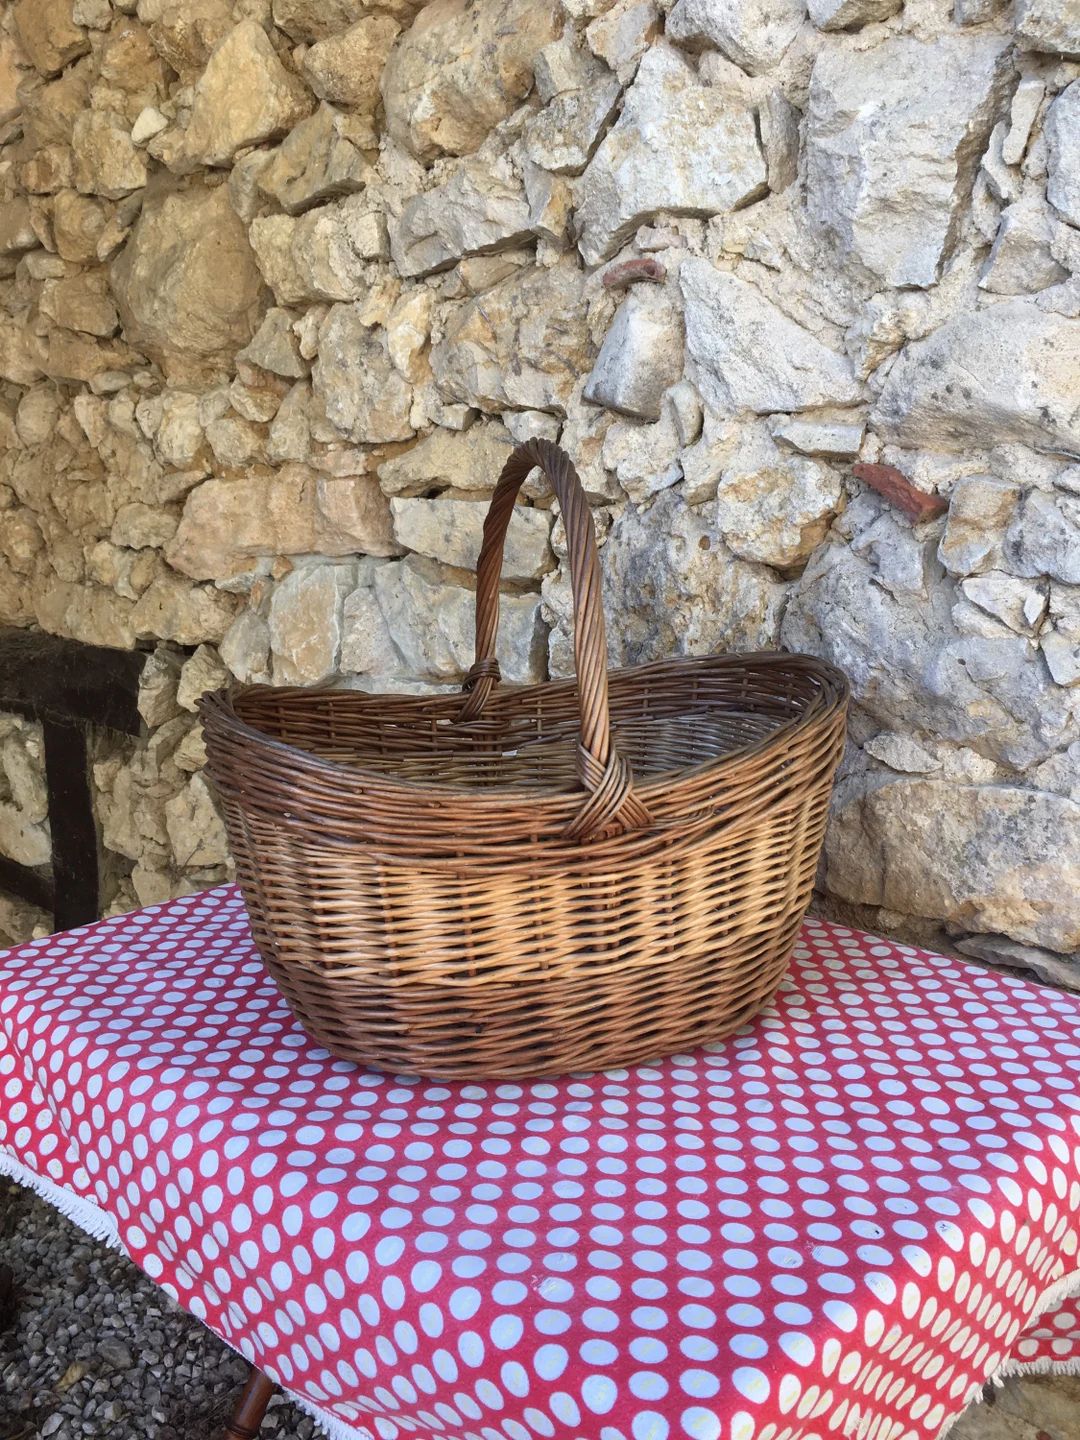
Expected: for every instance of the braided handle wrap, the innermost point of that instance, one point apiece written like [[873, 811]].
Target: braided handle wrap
[[610, 807]]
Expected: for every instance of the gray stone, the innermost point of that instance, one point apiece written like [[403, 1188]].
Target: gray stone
[[1023, 109], [748, 355], [880, 612], [1052, 26], [984, 857], [1003, 953], [522, 344], [1063, 158], [778, 122], [1018, 604], [752, 33], [623, 34], [1044, 537], [1006, 373], [1021, 261], [478, 210], [274, 347], [433, 625], [641, 357], [1060, 639], [451, 531], [196, 833], [893, 139], [850, 14], [366, 399], [671, 587], [561, 138], [245, 648], [678, 146], [201, 672], [835, 439], [317, 160]]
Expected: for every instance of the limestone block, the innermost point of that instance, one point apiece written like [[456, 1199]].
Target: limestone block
[[671, 587], [641, 357], [562, 137], [623, 34], [1060, 640], [317, 160], [479, 209], [893, 138], [366, 399], [196, 832], [81, 302], [345, 68], [460, 69], [274, 346], [748, 355], [1063, 158], [772, 507], [457, 460], [48, 34], [106, 161], [752, 33], [451, 530], [678, 146], [980, 509], [879, 610], [522, 344], [245, 648], [1052, 26], [243, 97], [174, 609], [1024, 107], [307, 20], [12, 61], [432, 624], [306, 622], [201, 672], [850, 14], [1044, 536], [778, 122], [186, 284], [322, 254], [984, 857], [835, 439], [1021, 261], [1017, 604], [1003, 374]]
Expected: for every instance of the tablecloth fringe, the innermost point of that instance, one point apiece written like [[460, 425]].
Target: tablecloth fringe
[[1062, 1289], [83, 1213], [100, 1226]]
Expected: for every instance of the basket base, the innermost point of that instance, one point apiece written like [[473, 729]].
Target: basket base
[[544, 1026]]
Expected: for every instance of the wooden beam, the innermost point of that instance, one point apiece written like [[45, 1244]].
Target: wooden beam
[[43, 675], [30, 883], [74, 830]]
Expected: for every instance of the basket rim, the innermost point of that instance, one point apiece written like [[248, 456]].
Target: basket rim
[[218, 705]]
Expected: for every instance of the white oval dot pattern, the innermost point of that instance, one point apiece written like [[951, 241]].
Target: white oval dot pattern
[[839, 1222]]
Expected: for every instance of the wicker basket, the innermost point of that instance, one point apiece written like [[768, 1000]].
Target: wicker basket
[[533, 880]]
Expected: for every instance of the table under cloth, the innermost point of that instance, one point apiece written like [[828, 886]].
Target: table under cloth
[[841, 1221]]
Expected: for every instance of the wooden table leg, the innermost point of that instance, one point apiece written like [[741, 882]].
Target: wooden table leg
[[247, 1418]]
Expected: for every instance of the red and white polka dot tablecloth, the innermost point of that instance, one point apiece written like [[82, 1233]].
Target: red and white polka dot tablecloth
[[840, 1222]]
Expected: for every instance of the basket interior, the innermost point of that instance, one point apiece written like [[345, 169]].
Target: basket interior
[[665, 719]]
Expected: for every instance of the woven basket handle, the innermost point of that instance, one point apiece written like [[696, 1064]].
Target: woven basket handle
[[610, 807]]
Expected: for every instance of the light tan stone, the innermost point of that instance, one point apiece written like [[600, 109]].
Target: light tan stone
[[462, 68], [243, 97], [106, 161], [346, 68], [306, 622], [186, 284], [365, 397], [81, 302], [451, 531], [48, 34], [317, 160]]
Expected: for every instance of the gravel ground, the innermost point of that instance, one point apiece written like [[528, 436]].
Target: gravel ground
[[89, 1348]]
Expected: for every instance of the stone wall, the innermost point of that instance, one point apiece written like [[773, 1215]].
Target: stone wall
[[282, 279]]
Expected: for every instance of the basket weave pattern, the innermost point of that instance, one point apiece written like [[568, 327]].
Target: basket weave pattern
[[531, 880]]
